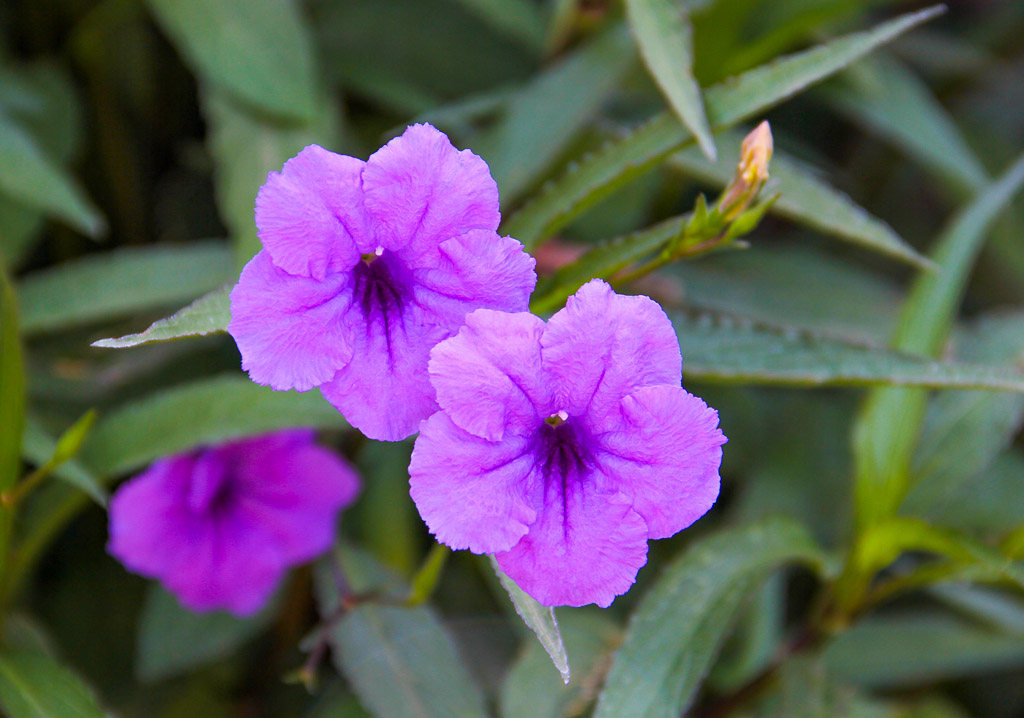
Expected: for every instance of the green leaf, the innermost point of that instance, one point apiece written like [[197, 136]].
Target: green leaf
[[207, 315], [887, 98], [945, 477], [727, 104], [401, 662], [890, 421], [540, 619], [532, 690], [12, 387], [258, 49], [543, 117], [925, 647], [104, 286], [246, 146], [30, 176], [665, 37], [34, 685], [805, 689], [172, 639], [206, 411], [678, 627], [804, 199], [40, 448], [520, 20], [736, 350]]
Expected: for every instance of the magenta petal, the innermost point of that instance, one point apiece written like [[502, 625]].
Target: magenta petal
[[309, 214], [489, 377], [472, 493], [665, 453], [476, 270], [603, 346], [295, 494], [419, 191], [586, 547], [291, 331], [384, 391]]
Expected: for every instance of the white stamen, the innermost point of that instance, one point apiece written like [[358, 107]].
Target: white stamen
[[563, 415], [379, 251]]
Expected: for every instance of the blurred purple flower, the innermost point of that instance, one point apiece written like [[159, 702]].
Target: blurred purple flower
[[365, 267], [220, 526], [564, 447]]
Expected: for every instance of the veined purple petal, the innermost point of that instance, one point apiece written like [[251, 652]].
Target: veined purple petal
[[664, 453], [419, 191], [292, 331], [489, 378], [473, 493], [310, 215], [603, 346], [584, 548]]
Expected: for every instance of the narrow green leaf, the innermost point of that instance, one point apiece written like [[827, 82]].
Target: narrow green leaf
[[890, 421], [680, 624], [34, 685], [520, 20], [12, 387], [735, 350], [888, 99], [120, 283], [532, 690], [999, 610], [805, 689], [31, 177], [40, 448], [258, 49], [246, 146], [425, 581], [543, 117], [805, 199], [946, 478], [207, 315], [665, 37], [206, 411], [727, 104], [172, 639], [540, 619], [401, 662], [905, 650]]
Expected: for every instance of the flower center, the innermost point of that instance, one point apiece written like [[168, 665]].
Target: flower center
[[209, 487], [378, 289], [563, 448]]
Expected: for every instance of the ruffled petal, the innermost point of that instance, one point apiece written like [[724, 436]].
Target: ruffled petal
[[473, 493], [476, 270], [419, 191], [385, 391], [295, 493], [291, 331], [489, 377], [309, 215], [664, 453], [603, 346], [585, 547]]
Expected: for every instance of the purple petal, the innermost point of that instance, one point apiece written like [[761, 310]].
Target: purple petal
[[291, 331], [665, 453], [472, 493], [476, 270], [295, 493], [310, 215], [489, 376], [603, 346], [420, 191], [384, 391], [586, 547]]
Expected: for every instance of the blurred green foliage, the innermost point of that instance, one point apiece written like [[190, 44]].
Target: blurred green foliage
[[864, 344]]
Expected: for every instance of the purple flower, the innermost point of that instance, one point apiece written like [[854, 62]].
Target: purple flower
[[220, 526], [564, 447], [365, 267]]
